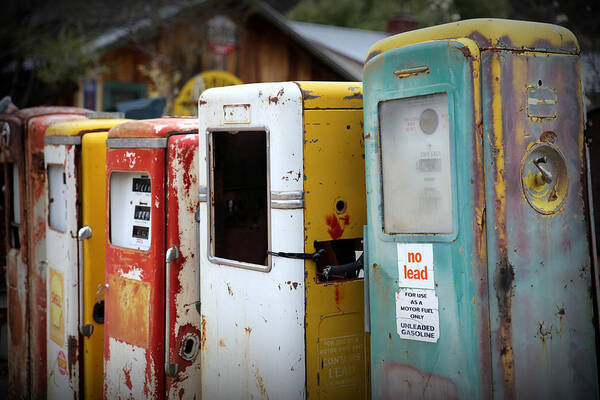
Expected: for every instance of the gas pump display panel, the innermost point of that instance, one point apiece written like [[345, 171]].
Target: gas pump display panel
[[415, 164], [130, 210]]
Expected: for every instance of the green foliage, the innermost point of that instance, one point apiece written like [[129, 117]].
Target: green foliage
[[61, 58], [371, 14]]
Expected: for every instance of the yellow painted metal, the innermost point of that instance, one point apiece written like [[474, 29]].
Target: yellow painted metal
[[93, 185], [80, 127], [489, 34], [328, 95], [337, 356]]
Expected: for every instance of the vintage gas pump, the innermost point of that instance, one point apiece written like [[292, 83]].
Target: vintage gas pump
[[281, 200], [21, 152], [477, 246], [152, 330], [75, 158]]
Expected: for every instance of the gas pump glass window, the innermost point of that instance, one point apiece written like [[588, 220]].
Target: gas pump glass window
[[239, 186], [415, 165], [57, 197], [130, 210]]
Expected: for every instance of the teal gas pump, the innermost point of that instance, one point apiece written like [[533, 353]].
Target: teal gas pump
[[479, 273]]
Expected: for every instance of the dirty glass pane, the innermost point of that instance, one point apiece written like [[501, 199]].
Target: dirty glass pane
[[239, 188], [415, 164], [57, 197]]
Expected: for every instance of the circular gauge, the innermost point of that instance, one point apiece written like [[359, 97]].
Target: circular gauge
[[429, 121]]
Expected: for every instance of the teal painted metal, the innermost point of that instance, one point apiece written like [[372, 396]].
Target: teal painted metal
[[459, 363], [514, 285]]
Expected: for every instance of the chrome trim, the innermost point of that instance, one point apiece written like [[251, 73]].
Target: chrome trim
[[63, 140], [209, 179], [136, 143], [287, 204], [171, 255], [202, 194], [105, 115], [295, 195]]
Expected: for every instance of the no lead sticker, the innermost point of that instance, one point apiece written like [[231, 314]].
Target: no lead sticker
[[415, 265], [417, 315]]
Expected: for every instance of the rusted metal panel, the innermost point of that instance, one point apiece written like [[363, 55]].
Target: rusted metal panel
[[541, 311], [134, 355], [62, 223], [35, 202], [185, 321]]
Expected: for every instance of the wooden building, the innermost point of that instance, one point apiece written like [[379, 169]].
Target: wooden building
[[227, 42]]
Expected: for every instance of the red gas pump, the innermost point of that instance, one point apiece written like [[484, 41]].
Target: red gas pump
[[152, 329]]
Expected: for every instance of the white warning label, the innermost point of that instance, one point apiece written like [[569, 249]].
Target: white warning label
[[415, 265], [417, 316]]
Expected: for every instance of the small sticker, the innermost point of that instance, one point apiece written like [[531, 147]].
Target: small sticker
[[236, 113], [57, 318], [417, 315], [61, 361], [415, 265], [541, 102]]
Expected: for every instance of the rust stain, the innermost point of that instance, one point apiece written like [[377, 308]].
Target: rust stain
[[73, 355], [260, 385], [295, 285], [275, 99], [229, 290], [338, 295], [335, 228], [127, 373], [130, 310], [345, 219], [248, 330], [203, 340], [504, 276], [222, 343], [390, 336], [368, 136]]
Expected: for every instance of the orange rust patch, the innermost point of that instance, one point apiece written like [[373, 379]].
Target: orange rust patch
[[129, 310], [203, 340], [222, 343], [248, 330]]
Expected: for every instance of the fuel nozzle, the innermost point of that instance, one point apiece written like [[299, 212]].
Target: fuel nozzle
[[545, 174], [344, 269]]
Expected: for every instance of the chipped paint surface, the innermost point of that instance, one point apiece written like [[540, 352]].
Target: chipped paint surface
[[458, 365], [133, 272], [530, 265], [62, 256], [125, 376], [538, 261], [134, 304], [25, 270], [186, 324], [336, 345], [261, 325]]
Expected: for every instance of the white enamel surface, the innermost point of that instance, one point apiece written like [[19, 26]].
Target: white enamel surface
[[417, 190], [61, 253], [129, 361], [253, 321]]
